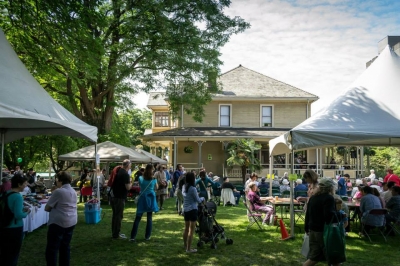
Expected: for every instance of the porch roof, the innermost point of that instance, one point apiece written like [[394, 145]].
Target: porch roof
[[215, 133]]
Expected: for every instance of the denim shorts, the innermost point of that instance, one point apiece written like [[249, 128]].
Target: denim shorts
[[190, 215]]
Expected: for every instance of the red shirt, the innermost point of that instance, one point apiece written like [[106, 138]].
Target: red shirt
[[392, 178]]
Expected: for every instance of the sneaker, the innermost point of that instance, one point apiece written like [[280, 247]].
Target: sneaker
[[132, 240], [122, 236], [147, 239], [193, 250]]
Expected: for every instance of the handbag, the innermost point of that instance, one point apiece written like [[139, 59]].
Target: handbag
[[305, 248], [141, 192], [335, 241]]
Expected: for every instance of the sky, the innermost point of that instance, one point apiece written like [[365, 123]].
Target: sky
[[320, 46]]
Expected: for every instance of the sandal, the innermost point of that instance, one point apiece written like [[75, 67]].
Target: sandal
[[193, 250]]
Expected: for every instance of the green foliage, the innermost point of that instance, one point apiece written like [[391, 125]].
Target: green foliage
[[92, 55], [384, 158], [241, 153]]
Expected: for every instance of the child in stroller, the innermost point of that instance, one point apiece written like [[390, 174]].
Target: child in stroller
[[207, 227]]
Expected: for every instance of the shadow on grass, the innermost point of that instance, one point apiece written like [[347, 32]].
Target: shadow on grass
[[92, 244]]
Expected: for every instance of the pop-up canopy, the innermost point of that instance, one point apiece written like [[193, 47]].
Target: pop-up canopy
[[108, 152]]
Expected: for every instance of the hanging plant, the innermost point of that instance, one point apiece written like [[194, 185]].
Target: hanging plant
[[188, 149]]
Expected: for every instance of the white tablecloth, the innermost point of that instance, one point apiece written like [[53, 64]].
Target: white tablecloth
[[35, 219]]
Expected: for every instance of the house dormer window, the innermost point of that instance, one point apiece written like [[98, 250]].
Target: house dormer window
[[266, 115], [161, 119], [225, 115]]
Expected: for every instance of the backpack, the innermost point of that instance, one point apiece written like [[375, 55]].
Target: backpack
[[113, 175], [6, 215]]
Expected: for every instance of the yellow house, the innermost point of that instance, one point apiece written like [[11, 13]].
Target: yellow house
[[251, 105]]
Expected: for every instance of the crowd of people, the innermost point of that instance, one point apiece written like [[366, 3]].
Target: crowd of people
[[156, 182]]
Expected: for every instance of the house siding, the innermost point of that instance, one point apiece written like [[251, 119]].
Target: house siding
[[247, 114], [191, 160]]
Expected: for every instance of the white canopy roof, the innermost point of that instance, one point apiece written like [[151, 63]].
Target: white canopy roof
[[154, 159], [26, 109], [366, 114], [108, 151]]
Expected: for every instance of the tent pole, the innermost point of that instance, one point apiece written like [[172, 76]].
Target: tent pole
[[2, 133], [291, 198], [271, 161]]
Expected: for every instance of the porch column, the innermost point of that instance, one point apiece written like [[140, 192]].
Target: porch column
[[175, 152], [225, 143], [200, 143], [286, 161]]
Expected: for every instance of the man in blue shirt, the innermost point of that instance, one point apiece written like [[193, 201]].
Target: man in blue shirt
[[342, 189]]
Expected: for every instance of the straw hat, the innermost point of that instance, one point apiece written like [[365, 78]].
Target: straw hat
[[215, 178]]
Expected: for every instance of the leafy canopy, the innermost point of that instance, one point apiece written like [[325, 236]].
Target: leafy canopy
[[92, 54]]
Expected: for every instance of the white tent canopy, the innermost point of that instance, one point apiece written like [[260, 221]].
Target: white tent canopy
[[154, 158], [26, 109], [108, 152], [365, 115]]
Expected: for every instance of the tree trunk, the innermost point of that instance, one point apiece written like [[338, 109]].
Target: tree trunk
[[244, 168]]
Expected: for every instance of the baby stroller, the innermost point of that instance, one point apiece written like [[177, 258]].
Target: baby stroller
[[216, 193], [208, 228]]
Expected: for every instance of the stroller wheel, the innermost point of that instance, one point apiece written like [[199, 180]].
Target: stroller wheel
[[200, 244], [213, 246], [229, 241]]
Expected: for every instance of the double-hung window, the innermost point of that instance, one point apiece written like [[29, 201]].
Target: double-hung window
[[266, 116], [225, 115], [161, 119]]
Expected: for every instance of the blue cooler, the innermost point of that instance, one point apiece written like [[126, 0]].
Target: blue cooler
[[92, 213]]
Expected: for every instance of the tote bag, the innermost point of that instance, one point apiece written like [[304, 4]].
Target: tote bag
[[305, 248], [334, 241]]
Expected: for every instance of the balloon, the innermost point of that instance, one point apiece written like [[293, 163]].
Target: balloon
[[19, 160]]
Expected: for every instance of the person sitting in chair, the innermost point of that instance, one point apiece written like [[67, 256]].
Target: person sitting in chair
[[393, 205], [263, 184], [259, 205], [236, 193]]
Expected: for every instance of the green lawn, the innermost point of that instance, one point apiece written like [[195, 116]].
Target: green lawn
[[92, 244]]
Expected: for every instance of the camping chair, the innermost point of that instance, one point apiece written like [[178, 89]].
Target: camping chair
[[301, 193], [264, 192], [374, 213], [240, 188], [276, 191], [227, 196], [252, 216], [286, 194]]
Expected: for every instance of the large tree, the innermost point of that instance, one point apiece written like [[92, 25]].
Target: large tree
[[92, 53]]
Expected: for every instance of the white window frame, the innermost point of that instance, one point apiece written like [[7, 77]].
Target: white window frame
[[230, 114], [169, 119], [272, 114]]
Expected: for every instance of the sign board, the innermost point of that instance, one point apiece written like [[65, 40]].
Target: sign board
[[209, 157]]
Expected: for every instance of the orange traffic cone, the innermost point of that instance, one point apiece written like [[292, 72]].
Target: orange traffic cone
[[284, 233]]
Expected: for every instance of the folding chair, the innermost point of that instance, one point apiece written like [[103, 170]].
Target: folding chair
[[286, 194], [253, 216], [395, 228], [301, 213], [374, 213]]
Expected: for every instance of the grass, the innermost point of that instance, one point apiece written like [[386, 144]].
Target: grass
[[92, 244]]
